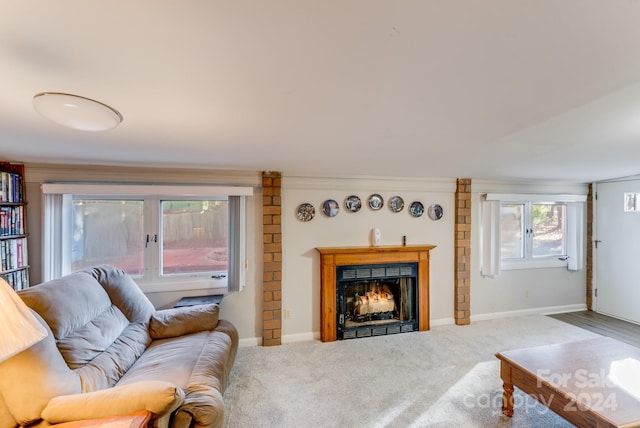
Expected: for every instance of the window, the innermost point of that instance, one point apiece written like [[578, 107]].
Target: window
[[531, 231], [107, 231], [166, 237]]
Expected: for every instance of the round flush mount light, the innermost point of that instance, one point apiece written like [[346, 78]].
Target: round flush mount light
[[76, 112]]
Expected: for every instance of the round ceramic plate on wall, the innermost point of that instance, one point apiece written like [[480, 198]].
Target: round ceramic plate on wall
[[330, 208], [416, 209], [375, 202], [353, 204], [396, 204], [435, 212], [306, 212]]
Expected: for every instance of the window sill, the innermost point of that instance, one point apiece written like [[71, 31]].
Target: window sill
[[216, 286], [534, 264]]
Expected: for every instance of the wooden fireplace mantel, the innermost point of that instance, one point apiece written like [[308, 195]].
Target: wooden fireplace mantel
[[331, 257]]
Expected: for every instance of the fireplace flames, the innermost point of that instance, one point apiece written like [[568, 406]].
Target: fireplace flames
[[378, 299]]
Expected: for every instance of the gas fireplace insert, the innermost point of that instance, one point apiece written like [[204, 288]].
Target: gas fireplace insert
[[376, 299]]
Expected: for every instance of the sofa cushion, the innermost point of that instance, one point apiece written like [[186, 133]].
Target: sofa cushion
[[185, 320], [123, 292], [154, 396], [67, 304], [108, 367], [183, 352], [203, 394], [137, 419], [90, 340], [201, 363]]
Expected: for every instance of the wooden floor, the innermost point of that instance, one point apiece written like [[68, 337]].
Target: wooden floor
[[602, 324]]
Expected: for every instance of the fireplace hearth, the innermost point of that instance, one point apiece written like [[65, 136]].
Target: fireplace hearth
[[372, 291]]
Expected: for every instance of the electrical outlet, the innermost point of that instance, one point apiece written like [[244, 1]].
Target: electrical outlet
[[526, 293], [287, 314]]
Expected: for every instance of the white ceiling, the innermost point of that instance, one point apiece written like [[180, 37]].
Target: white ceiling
[[495, 89]]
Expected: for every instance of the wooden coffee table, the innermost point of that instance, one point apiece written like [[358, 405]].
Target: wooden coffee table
[[590, 383]]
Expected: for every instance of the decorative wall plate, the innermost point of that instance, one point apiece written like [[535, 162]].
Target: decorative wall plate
[[306, 212], [396, 204], [353, 204], [330, 208], [416, 209], [375, 202], [435, 212]]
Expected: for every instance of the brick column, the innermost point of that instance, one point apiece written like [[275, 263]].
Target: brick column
[[272, 259], [589, 264], [462, 279]]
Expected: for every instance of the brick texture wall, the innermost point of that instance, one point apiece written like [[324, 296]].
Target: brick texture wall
[[589, 259], [272, 259], [462, 278]]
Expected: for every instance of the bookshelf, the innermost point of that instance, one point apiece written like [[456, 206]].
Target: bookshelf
[[14, 262]]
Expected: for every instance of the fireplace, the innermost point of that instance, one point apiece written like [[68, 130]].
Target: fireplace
[[374, 300], [370, 291]]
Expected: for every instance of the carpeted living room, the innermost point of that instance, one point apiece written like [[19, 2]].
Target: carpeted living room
[[448, 376], [280, 214]]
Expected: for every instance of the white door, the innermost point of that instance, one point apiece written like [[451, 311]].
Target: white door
[[617, 256]]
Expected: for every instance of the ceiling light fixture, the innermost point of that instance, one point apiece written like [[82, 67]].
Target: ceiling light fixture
[[76, 112]]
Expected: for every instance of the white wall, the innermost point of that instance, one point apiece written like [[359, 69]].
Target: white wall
[[522, 291], [301, 262]]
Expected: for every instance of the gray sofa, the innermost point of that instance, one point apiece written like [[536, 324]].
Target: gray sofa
[[109, 352]]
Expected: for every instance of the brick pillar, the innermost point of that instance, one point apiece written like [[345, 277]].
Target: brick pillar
[[272, 259], [462, 279], [589, 260]]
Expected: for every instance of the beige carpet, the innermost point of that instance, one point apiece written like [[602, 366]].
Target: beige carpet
[[445, 377]]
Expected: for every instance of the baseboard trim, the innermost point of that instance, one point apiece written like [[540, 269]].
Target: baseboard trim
[[250, 341], [441, 321], [300, 337], [549, 310], [534, 311], [288, 338]]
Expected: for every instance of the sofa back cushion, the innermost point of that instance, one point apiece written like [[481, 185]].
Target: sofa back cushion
[[74, 308], [123, 292], [99, 318]]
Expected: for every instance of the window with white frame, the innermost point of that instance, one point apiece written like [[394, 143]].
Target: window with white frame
[[166, 237], [531, 231]]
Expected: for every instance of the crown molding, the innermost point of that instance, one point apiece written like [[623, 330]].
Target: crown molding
[[42, 173], [444, 185]]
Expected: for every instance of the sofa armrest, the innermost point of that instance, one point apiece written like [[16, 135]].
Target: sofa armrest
[[158, 397], [175, 322], [136, 420]]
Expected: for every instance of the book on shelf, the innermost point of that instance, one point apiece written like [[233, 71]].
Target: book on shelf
[[13, 254], [12, 220], [19, 279], [19, 254], [14, 264], [11, 187]]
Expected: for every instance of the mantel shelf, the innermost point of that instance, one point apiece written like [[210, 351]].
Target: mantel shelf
[[371, 249]]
